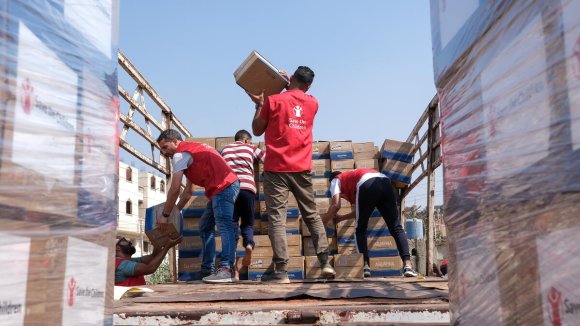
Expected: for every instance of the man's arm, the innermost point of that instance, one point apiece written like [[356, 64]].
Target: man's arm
[[172, 195], [185, 195], [344, 217], [150, 263], [332, 209], [258, 124]]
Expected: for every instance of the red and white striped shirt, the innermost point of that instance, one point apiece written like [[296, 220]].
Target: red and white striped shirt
[[240, 158]]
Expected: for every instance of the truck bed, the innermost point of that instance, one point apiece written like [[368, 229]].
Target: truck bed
[[389, 301]]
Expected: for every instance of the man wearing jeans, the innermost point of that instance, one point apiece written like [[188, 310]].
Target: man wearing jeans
[[204, 166], [287, 121]]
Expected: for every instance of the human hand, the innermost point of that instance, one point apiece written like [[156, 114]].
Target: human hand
[[175, 241], [284, 74], [257, 98]]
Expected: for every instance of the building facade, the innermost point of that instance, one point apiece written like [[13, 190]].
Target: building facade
[[138, 190]]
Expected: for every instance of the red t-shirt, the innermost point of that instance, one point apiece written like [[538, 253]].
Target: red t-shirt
[[208, 168], [348, 181], [288, 135]]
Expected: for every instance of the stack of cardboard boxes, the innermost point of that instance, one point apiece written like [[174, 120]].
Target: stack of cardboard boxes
[[58, 161], [326, 157], [508, 81]]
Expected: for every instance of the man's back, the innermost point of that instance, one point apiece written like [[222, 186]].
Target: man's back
[[288, 136], [240, 158]]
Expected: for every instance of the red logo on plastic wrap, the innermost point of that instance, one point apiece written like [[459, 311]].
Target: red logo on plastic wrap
[[72, 284], [555, 301], [27, 91], [577, 55]]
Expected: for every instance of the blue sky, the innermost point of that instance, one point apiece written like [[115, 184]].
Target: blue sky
[[372, 60]]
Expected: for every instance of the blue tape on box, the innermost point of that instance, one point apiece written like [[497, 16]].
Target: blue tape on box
[[386, 273], [341, 155], [397, 156], [383, 253], [397, 176]]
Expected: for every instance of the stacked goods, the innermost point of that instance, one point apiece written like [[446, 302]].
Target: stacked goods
[[341, 156], [221, 142], [348, 266], [365, 155], [208, 141], [58, 161], [508, 78], [397, 161], [262, 257]]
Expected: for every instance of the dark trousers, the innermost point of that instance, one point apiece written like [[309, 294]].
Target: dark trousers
[[379, 193], [244, 210]]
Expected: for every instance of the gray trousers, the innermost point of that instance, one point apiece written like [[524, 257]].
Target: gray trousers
[[277, 186]]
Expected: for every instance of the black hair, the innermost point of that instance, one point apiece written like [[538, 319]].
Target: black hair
[[304, 75], [334, 175], [169, 135], [241, 134]]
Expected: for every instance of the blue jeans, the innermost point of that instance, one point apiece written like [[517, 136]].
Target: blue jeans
[[219, 211]]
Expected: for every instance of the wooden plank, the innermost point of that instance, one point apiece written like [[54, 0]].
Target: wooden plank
[[135, 105], [137, 129], [142, 157]]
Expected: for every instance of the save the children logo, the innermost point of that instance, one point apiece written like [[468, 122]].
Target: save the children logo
[[27, 92], [298, 122], [74, 290], [72, 284], [559, 307], [297, 111]]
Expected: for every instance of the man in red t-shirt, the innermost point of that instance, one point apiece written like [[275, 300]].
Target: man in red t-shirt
[[368, 189], [287, 120], [202, 165]]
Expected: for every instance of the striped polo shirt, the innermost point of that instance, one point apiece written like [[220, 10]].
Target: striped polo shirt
[[240, 157]]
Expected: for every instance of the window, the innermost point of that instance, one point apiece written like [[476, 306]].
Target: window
[[153, 182], [146, 246], [162, 186], [129, 207], [129, 174]]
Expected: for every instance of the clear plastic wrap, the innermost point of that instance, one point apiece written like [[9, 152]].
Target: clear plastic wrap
[[510, 112], [59, 161]]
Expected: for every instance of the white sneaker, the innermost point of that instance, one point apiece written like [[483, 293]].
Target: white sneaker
[[408, 271]]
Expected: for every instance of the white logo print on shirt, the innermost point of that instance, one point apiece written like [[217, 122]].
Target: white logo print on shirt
[[297, 111]]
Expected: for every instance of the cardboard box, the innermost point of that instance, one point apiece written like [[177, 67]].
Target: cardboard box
[[385, 266], [352, 260], [312, 268], [208, 141], [397, 150], [349, 272], [159, 238], [345, 231], [341, 150], [320, 187], [320, 168], [192, 242], [347, 249], [330, 230], [320, 150], [363, 147], [153, 212], [197, 202], [263, 263], [309, 249], [322, 205], [384, 242], [192, 223], [397, 170], [366, 164], [256, 73], [189, 264], [221, 142], [342, 165]]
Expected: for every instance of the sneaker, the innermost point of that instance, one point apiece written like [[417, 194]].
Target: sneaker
[[222, 275], [366, 271], [328, 271], [271, 276], [248, 257], [408, 271], [205, 274]]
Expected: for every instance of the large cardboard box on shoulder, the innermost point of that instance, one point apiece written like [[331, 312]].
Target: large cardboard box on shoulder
[[256, 73]]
